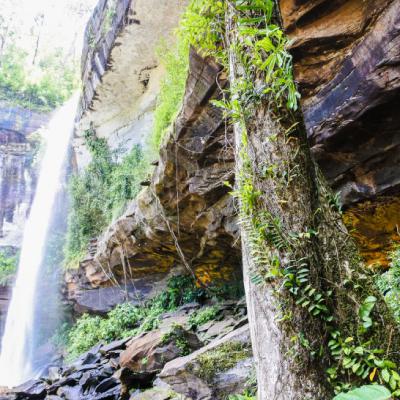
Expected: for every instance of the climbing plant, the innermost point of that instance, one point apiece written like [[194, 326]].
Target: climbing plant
[[303, 251], [389, 284]]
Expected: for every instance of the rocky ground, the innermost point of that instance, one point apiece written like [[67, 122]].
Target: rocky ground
[[189, 356]]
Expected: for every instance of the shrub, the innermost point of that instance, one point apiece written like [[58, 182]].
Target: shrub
[[8, 268], [127, 319], [100, 193], [389, 284]]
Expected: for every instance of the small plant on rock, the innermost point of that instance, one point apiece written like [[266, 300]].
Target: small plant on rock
[[200, 317]]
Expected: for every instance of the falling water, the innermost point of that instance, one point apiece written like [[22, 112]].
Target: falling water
[[16, 350]]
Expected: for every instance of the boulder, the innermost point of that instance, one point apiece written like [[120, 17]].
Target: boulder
[[114, 346], [33, 389], [70, 393], [215, 371], [157, 394], [146, 354]]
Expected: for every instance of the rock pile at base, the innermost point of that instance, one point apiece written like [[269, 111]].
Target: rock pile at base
[[175, 361]]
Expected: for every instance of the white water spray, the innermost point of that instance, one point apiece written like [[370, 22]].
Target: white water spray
[[16, 350]]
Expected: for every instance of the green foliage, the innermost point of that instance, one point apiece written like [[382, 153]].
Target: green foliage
[[261, 49], [244, 396], [181, 289], [175, 62], [100, 193], [258, 47], [90, 330], [60, 338], [367, 392], [200, 317], [365, 311], [389, 284], [128, 320], [362, 360], [50, 85], [8, 268]]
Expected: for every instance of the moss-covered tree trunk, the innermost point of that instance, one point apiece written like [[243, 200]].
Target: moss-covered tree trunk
[[317, 321]]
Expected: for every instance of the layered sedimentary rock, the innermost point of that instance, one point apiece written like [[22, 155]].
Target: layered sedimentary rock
[[346, 59], [121, 71], [17, 176], [185, 219], [17, 181], [347, 64]]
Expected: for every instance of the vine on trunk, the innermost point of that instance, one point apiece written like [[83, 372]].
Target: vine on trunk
[[265, 78]]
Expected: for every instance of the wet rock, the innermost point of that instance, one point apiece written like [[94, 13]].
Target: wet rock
[[111, 394], [233, 380], [106, 384], [54, 373], [32, 389], [116, 345], [214, 371], [213, 329], [71, 380], [147, 354], [90, 357], [70, 393]]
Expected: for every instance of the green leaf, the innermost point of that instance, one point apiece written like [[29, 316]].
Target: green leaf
[[385, 375], [367, 392], [365, 311]]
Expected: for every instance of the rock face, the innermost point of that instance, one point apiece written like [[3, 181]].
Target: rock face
[[121, 71], [17, 177], [17, 180], [346, 60], [347, 63], [147, 354], [187, 204]]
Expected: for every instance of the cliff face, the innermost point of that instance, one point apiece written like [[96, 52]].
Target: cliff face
[[17, 177], [121, 72], [347, 63], [346, 58], [186, 206], [17, 180]]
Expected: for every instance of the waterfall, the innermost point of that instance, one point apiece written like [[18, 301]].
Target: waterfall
[[16, 350]]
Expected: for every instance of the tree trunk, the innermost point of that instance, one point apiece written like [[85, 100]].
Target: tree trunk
[[305, 284]]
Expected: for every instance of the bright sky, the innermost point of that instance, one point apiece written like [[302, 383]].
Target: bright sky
[[64, 20]]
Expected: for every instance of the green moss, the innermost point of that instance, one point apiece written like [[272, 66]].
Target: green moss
[[200, 317], [220, 359]]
